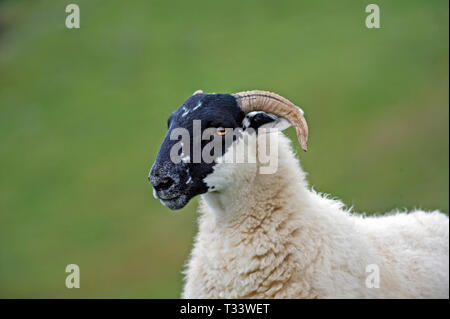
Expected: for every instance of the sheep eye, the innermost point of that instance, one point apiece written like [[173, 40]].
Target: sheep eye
[[221, 131]]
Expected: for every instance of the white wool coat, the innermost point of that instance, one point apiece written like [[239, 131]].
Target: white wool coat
[[270, 236]]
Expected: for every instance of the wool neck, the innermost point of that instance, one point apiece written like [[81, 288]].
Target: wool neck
[[255, 195]]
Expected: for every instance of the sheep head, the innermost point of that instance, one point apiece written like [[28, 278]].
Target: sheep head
[[208, 125]]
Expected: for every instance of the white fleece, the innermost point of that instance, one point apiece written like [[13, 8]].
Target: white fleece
[[270, 236]]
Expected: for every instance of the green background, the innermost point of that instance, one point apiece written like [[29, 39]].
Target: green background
[[83, 112]]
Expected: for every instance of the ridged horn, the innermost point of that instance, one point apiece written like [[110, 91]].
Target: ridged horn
[[269, 102]]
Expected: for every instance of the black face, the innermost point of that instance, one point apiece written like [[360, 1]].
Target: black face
[[175, 183]]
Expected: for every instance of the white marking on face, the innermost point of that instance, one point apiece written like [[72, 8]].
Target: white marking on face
[[197, 106], [189, 180], [155, 195]]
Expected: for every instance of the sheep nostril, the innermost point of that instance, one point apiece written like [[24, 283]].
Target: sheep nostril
[[164, 183]]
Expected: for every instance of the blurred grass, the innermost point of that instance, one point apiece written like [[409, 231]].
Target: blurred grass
[[83, 112]]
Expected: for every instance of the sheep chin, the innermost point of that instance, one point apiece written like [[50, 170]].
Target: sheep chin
[[175, 203]]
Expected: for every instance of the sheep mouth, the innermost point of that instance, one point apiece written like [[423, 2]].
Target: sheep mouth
[[163, 195], [175, 202], [172, 199], [169, 198]]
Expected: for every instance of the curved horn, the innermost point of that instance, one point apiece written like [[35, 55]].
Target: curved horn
[[197, 92], [269, 102]]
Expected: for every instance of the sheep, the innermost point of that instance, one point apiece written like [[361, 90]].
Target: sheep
[[270, 235]]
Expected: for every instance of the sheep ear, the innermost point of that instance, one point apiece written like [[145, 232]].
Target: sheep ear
[[265, 120]]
